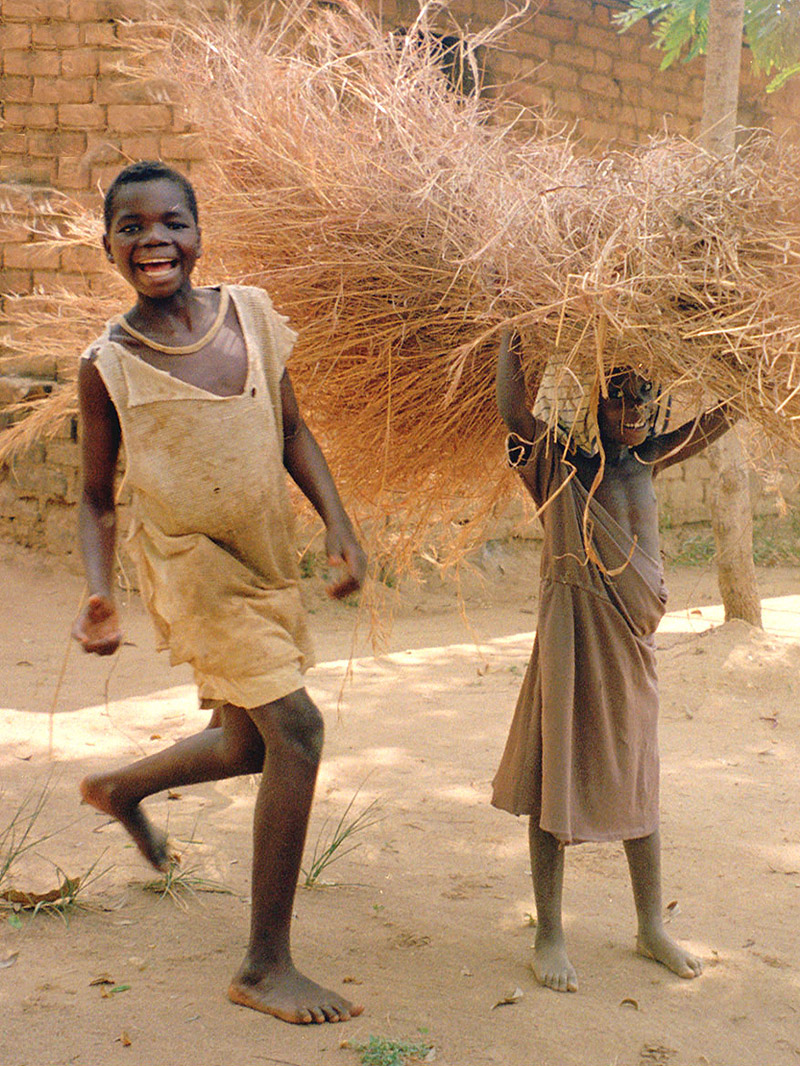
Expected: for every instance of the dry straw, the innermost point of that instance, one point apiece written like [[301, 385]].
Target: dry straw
[[402, 225]]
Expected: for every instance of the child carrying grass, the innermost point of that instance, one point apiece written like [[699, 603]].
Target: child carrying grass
[[582, 758]]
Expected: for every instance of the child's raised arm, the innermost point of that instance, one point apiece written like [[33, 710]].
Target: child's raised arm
[[510, 388], [303, 458], [689, 439], [97, 626]]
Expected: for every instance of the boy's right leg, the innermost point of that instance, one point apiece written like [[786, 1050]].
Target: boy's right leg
[[234, 747], [551, 964]]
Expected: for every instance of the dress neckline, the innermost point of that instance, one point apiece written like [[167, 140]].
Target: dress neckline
[[184, 349]]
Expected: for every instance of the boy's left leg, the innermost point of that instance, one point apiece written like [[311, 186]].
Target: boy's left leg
[[652, 941], [267, 980]]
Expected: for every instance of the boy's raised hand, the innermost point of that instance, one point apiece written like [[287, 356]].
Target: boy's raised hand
[[346, 552], [96, 628]]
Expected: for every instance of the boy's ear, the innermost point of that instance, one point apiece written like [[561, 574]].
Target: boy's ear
[[107, 247]]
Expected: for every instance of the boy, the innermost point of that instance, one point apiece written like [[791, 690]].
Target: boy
[[582, 754], [193, 382]]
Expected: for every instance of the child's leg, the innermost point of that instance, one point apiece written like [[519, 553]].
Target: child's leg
[[233, 748], [550, 962], [652, 941], [292, 731]]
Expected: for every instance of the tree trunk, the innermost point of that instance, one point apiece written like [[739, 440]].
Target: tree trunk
[[732, 522], [731, 516]]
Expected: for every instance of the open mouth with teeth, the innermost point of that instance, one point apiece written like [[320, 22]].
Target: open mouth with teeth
[[155, 267]]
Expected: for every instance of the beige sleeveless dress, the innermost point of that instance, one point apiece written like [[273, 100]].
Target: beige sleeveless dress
[[212, 526]]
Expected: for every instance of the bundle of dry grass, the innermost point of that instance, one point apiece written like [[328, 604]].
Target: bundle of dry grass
[[401, 226]]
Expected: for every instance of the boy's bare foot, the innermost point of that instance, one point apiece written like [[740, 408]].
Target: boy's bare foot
[[661, 948], [97, 791], [551, 965], [287, 994]]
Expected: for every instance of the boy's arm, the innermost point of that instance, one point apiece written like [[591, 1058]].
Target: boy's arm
[[303, 458], [97, 626], [690, 438], [510, 388]]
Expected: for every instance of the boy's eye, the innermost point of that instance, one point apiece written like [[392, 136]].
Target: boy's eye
[[176, 225], [130, 227]]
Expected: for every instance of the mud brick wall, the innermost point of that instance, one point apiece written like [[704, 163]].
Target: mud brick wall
[[69, 121]]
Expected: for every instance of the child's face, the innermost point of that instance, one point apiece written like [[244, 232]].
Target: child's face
[[153, 239], [625, 416]]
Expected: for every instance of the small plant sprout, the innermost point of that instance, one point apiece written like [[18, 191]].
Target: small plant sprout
[[380, 1051], [178, 882], [18, 836], [330, 846]]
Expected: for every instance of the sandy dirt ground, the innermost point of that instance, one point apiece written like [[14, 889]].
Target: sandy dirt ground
[[427, 921]]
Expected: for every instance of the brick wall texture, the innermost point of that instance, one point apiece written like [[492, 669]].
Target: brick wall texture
[[68, 120]]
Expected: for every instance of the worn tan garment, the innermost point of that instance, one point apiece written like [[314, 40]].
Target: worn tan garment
[[212, 527], [582, 753]]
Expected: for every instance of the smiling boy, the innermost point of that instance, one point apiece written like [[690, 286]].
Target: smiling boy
[[193, 381], [581, 757]]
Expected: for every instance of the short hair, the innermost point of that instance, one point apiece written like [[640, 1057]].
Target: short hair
[[148, 170]]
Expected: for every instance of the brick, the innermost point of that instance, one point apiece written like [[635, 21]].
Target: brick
[[562, 77], [574, 10], [596, 38], [54, 35], [603, 63], [531, 44], [62, 91], [12, 142], [182, 147], [72, 173], [574, 56], [109, 61], [35, 10], [31, 255], [91, 10], [16, 90], [80, 63], [139, 116], [100, 34], [31, 62], [78, 259], [113, 89], [16, 35], [554, 29], [58, 144], [657, 100], [60, 525], [35, 116], [105, 150], [137, 146], [629, 71], [14, 281], [600, 84], [82, 116], [568, 102]]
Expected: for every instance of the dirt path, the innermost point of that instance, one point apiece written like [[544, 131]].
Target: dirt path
[[427, 920]]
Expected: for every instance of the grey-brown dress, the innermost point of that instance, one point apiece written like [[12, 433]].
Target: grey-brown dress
[[582, 753], [212, 529]]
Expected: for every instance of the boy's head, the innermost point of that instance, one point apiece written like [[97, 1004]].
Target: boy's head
[[571, 401], [152, 234], [627, 412], [148, 170]]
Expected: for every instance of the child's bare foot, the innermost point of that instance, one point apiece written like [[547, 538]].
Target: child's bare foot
[[98, 791], [287, 994], [551, 965], [661, 948]]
